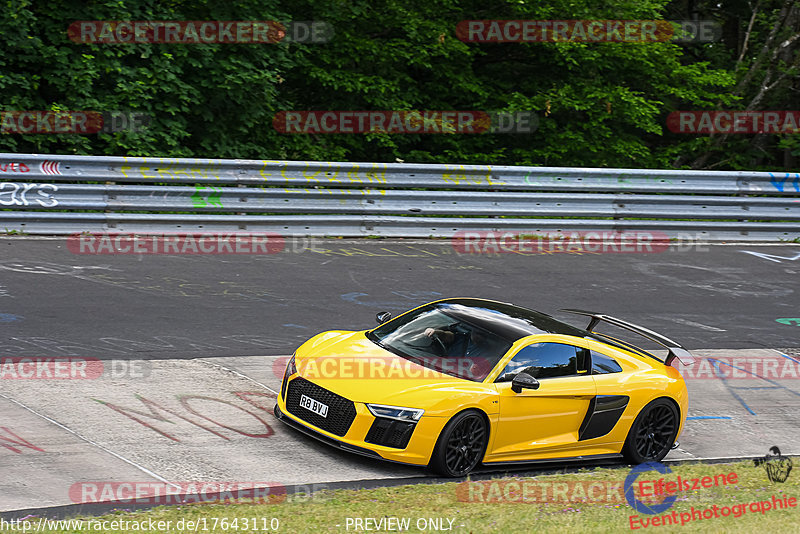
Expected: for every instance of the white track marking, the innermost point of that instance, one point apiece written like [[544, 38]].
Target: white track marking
[[237, 373], [692, 323], [90, 442]]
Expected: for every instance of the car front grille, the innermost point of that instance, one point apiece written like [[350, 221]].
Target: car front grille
[[341, 411]]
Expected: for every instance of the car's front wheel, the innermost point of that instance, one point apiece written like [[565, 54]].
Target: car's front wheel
[[653, 432], [461, 444]]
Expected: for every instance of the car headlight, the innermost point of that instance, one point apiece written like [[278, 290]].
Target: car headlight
[[291, 368], [396, 412]]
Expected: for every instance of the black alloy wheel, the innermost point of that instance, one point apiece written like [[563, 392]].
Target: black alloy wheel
[[653, 432], [461, 445]]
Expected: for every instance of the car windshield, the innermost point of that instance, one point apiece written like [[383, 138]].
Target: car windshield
[[443, 342]]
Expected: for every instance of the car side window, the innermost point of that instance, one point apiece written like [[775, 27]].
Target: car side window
[[602, 364], [543, 360]]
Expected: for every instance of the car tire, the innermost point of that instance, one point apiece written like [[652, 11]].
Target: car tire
[[652, 433], [461, 444]]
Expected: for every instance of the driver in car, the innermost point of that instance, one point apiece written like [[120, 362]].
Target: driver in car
[[460, 343]]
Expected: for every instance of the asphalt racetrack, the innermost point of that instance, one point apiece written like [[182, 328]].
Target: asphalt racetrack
[[194, 346]]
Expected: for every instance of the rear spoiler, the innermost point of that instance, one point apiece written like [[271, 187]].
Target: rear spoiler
[[675, 350]]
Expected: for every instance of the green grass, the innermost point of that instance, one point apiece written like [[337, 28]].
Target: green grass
[[13, 232], [328, 511]]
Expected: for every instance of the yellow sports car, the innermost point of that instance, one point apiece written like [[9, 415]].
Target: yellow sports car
[[458, 382]]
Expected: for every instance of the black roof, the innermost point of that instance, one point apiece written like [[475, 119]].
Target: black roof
[[506, 320]]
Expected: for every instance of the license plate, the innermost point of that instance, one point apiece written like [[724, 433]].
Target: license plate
[[315, 406]]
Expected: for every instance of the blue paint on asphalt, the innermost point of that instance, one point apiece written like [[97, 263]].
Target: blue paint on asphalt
[[9, 317], [789, 357], [736, 396], [731, 388], [701, 417]]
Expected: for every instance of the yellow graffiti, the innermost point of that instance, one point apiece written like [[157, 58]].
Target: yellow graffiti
[[311, 177], [458, 178], [378, 175], [170, 171], [333, 177], [262, 171], [361, 252], [352, 175], [142, 169]]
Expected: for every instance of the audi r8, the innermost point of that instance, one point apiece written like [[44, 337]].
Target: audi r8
[[461, 382]]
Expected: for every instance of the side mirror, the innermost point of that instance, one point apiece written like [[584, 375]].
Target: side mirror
[[382, 317], [523, 381]]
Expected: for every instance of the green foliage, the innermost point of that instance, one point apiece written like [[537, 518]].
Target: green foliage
[[599, 104]]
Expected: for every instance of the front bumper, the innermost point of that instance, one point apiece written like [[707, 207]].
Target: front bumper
[[357, 431]]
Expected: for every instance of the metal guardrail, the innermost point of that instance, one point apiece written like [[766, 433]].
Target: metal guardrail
[[47, 194]]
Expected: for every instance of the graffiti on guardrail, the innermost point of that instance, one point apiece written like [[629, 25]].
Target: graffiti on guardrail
[[14, 167], [202, 199], [166, 170], [314, 172], [459, 175], [354, 195], [46, 167], [624, 179], [779, 183], [22, 194], [17, 440]]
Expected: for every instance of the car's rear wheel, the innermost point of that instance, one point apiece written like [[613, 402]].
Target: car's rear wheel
[[461, 445], [653, 432]]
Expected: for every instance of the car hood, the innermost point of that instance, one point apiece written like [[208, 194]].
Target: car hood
[[349, 364]]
